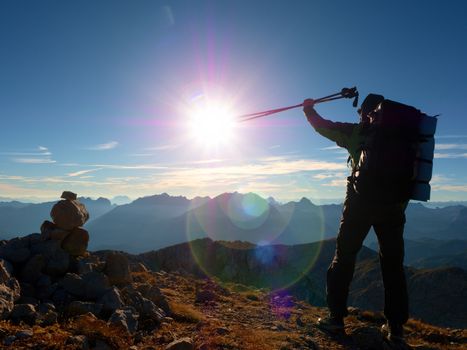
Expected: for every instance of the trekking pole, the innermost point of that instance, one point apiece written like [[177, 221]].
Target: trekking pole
[[344, 93]]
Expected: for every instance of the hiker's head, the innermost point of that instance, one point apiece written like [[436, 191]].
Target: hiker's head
[[368, 105]]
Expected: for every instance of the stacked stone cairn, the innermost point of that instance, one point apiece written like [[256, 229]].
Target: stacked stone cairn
[[50, 277]]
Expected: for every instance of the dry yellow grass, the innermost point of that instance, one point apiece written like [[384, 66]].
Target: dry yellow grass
[[95, 329], [185, 312]]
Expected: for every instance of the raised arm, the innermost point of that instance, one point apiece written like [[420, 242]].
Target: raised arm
[[340, 133]]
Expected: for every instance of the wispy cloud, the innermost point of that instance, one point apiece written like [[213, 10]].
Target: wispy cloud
[[450, 155], [450, 188], [163, 147], [330, 148], [449, 146], [82, 172], [336, 183], [34, 160], [103, 146], [326, 176], [451, 136], [207, 161], [41, 151], [447, 183], [140, 155], [27, 154]]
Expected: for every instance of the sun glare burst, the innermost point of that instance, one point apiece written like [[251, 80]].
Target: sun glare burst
[[212, 124]]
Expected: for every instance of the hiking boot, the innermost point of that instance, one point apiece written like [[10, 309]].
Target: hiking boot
[[393, 332], [331, 324]]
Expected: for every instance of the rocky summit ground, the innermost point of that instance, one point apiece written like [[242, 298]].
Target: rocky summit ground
[[205, 314]]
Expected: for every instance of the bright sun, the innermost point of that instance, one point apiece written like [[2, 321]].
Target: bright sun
[[212, 124]]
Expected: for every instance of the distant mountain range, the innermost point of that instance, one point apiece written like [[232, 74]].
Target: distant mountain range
[[159, 221]]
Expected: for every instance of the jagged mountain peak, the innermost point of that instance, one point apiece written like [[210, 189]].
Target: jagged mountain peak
[[160, 199]]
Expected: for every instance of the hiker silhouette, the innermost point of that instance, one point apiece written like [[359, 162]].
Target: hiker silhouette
[[360, 213]]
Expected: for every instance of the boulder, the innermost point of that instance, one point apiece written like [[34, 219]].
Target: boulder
[[44, 287], [23, 313], [6, 270], [126, 318], [88, 263], [78, 342], [61, 298], [58, 234], [74, 284], [47, 319], [68, 214], [149, 310], [58, 263], [8, 341], [76, 242], [117, 269], [367, 338], [24, 334], [32, 270], [145, 307], [153, 293], [138, 267], [46, 227], [181, 344], [96, 284], [27, 289], [111, 300], [7, 301], [77, 308], [44, 308], [56, 259], [15, 250], [45, 248]]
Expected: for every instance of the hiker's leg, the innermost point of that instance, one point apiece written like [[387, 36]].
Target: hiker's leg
[[354, 226], [389, 231]]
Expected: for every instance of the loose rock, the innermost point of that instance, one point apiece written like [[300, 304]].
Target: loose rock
[[76, 242], [181, 344], [24, 334], [15, 250], [31, 272], [6, 301], [117, 269], [111, 300], [25, 313], [78, 341], [96, 284], [126, 318], [6, 270], [80, 308], [367, 338], [74, 284]]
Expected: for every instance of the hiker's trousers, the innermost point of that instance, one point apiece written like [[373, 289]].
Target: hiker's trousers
[[388, 220]]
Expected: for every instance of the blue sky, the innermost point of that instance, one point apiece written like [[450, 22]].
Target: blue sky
[[96, 96]]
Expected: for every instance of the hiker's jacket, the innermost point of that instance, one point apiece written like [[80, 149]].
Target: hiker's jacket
[[350, 136]]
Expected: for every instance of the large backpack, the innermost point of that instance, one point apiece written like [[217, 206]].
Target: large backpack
[[396, 158]]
